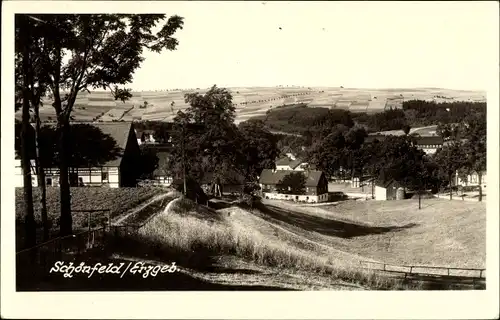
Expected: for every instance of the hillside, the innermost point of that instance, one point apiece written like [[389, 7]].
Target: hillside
[[251, 101], [290, 246]]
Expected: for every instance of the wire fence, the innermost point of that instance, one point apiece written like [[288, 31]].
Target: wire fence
[[419, 270]]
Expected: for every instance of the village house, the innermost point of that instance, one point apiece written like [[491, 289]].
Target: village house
[[429, 144], [316, 186], [231, 183], [290, 163], [122, 171], [145, 136], [471, 180], [388, 190]]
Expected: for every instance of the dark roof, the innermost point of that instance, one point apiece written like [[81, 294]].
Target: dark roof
[[371, 138], [421, 140], [294, 163], [384, 183], [271, 177], [285, 161], [427, 140], [119, 131]]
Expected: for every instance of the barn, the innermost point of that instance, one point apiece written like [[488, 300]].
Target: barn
[[121, 171], [388, 190], [316, 186]]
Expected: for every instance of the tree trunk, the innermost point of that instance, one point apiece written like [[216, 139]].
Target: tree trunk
[[66, 221], [480, 178], [29, 218], [451, 187], [41, 176], [419, 200]]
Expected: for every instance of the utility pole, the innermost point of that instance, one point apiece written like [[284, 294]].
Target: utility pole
[[184, 160]]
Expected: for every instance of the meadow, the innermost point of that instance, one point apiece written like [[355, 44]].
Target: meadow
[[249, 102], [262, 245]]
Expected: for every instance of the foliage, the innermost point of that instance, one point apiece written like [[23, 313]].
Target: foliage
[[292, 183], [301, 119], [259, 147], [88, 146], [75, 52]]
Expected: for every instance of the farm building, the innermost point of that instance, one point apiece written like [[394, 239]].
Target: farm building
[[160, 174], [289, 162], [471, 180], [145, 136], [388, 190], [316, 186], [429, 144], [232, 182], [122, 171]]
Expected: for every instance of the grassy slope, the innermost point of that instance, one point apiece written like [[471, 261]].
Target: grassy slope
[[442, 233], [232, 245]]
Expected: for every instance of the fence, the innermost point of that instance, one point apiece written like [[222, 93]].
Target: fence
[[427, 271]]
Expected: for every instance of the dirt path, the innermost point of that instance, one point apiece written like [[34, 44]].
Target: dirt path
[[119, 219]]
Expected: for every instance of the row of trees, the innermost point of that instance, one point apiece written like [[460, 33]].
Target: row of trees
[[315, 121], [398, 157], [60, 55]]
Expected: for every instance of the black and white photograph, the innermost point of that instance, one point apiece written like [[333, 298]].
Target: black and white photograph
[[274, 147]]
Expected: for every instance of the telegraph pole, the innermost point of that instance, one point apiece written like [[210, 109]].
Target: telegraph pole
[[184, 160]]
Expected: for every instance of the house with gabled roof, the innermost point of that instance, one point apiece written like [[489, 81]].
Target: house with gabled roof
[[289, 162], [316, 185], [388, 189], [120, 171]]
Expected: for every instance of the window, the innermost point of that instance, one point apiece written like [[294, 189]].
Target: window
[[49, 181], [104, 176]]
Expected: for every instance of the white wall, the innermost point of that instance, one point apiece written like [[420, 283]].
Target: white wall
[[113, 177], [18, 175], [380, 193], [283, 168], [472, 180], [292, 197]]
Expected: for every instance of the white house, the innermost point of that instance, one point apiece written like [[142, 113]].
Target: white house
[[471, 180], [315, 187], [388, 190], [429, 144], [118, 172], [291, 164]]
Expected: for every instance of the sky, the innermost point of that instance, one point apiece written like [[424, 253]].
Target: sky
[[365, 45]]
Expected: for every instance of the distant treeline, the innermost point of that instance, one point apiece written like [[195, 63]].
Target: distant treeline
[[414, 113]]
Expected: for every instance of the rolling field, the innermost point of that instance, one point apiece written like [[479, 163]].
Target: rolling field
[[296, 246], [250, 101]]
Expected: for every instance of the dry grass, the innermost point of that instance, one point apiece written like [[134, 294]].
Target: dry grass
[[186, 231], [442, 233]]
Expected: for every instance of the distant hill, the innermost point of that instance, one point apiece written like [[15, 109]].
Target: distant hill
[[252, 101]]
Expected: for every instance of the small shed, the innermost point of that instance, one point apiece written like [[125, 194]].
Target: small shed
[[387, 189]]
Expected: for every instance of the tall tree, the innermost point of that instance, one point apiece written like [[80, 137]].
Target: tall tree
[[449, 159], [208, 137], [82, 51], [475, 147], [292, 183], [259, 147], [23, 49]]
